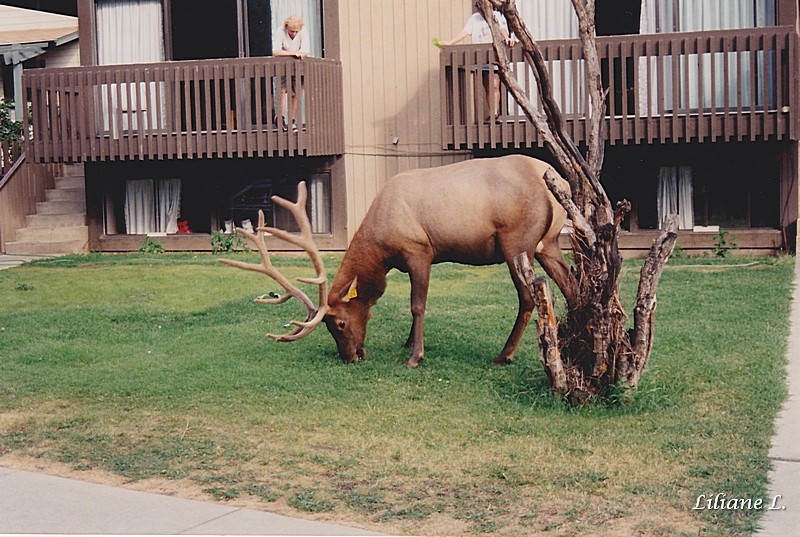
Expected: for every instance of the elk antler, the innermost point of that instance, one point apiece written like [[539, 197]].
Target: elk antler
[[304, 241]]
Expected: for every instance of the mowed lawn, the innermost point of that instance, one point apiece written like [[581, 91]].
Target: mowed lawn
[[155, 372]]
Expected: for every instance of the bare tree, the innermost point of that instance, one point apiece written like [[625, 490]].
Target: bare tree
[[591, 351]]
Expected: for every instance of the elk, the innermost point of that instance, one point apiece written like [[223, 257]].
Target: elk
[[476, 212]]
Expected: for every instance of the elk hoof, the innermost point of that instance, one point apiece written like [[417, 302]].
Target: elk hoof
[[503, 360], [414, 362]]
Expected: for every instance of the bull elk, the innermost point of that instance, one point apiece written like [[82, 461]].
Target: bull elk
[[477, 212]]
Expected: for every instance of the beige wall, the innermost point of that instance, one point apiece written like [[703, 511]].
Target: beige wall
[[391, 89], [67, 55]]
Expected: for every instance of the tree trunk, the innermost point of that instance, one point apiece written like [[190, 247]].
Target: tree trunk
[[592, 352]]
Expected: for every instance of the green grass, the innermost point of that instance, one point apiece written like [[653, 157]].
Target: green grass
[[157, 368]]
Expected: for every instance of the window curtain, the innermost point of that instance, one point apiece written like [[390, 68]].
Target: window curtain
[[675, 195], [660, 16], [311, 13], [550, 19], [129, 31], [139, 206], [554, 19], [152, 206], [319, 187]]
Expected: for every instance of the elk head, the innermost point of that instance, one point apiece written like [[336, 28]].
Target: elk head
[[347, 319]]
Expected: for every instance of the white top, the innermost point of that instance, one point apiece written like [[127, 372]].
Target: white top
[[478, 29], [282, 41]]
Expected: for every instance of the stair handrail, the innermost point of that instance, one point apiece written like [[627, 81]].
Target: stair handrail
[[6, 177]]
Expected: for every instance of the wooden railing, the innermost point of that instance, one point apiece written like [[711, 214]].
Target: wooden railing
[[703, 86], [9, 153], [187, 109]]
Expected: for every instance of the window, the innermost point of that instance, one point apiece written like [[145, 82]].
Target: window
[[729, 187], [152, 206], [675, 195], [660, 16], [247, 201], [207, 29], [123, 23]]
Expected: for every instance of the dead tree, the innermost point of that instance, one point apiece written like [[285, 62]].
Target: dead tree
[[591, 352]]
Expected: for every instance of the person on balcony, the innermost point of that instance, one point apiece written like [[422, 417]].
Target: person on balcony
[[479, 31], [291, 39]]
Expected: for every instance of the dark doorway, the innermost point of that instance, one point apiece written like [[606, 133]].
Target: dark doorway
[[204, 29], [618, 17], [259, 33]]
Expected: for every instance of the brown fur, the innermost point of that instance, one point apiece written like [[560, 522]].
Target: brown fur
[[478, 212]]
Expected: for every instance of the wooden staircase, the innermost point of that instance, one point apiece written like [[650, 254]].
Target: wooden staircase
[[59, 224]]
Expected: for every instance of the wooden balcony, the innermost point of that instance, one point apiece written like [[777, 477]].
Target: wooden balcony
[[187, 109], [683, 87]]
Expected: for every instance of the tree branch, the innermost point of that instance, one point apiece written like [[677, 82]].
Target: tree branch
[[549, 353], [579, 223], [585, 10], [644, 312]]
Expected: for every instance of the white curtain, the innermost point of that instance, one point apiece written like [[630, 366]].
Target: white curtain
[[549, 19], [675, 195], [168, 203], [660, 16], [554, 19], [311, 13], [152, 206], [129, 31], [319, 187], [139, 206]]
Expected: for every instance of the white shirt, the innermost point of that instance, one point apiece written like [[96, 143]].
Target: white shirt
[[478, 29], [282, 41]]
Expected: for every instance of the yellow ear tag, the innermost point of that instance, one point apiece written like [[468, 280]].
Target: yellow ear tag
[[352, 293]]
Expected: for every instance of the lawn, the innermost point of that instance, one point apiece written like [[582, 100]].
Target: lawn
[[154, 371]]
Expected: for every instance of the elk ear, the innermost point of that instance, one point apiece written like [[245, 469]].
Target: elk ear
[[352, 292]]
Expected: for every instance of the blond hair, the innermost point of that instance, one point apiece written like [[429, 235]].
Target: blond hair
[[293, 22]]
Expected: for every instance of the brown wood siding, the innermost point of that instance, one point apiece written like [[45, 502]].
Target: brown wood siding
[[641, 113], [187, 109]]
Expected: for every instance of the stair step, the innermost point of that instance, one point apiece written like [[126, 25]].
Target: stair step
[[55, 233], [75, 181], [65, 194], [59, 224], [60, 207], [55, 220], [48, 247], [72, 170]]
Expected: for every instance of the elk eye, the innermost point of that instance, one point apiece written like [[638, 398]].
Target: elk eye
[[340, 324]]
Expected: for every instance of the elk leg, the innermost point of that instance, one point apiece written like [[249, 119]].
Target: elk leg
[[552, 260], [419, 271], [526, 306]]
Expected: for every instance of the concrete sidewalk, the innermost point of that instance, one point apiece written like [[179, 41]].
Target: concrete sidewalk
[[785, 451], [9, 261], [32, 503]]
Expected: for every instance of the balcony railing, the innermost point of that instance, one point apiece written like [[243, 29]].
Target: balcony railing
[[703, 86], [187, 109]]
